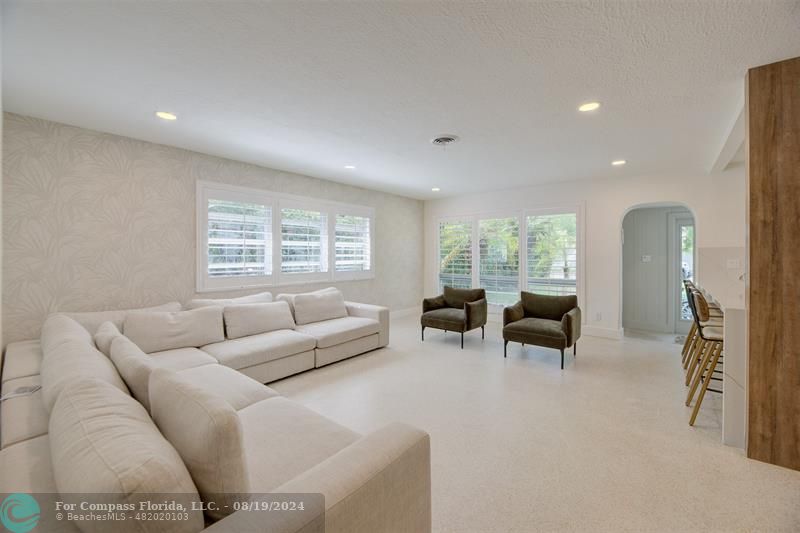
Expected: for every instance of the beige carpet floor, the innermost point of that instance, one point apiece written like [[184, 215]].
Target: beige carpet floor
[[519, 445]]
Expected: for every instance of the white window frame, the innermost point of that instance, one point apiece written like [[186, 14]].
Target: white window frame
[[522, 214], [455, 220], [233, 194], [276, 202], [356, 211]]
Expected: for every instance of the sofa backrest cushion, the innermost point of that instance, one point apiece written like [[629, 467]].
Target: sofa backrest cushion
[[207, 432], [69, 355], [156, 331], [326, 304], [458, 297], [106, 333], [260, 298], [289, 298], [103, 441], [134, 366], [93, 319], [549, 307], [251, 319]]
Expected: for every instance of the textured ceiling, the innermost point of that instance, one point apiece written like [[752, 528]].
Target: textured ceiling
[[311, 87]]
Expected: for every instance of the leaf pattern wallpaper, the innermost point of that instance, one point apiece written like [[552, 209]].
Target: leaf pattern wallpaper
[[93, 221]]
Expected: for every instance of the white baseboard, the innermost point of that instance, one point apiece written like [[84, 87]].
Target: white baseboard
[[606, 333], [410, 311]]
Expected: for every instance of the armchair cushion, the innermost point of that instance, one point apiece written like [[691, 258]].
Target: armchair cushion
[[446, 318], [513, 313], [550, 307], [431, 304], [538, 331], [456, 298], [571, 324], [476, 313]]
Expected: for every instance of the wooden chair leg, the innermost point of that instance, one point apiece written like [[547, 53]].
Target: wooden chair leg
[[706, 381], [701, 368], [689, 337], [695, 358], [689, 348], [697, 340]]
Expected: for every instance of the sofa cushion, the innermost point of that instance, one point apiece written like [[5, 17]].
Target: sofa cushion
[[93, 319], [289, 298], [456, 298], [332, 354], [317, 306], [206, 431], [156, 331], [448, 318], [304, 440], [135, 366], [257, 349], [261, 297], [69, 356], [229, 384], [22, 417], [251, 319], [22, 359], [26, 467], [339, 330], [104, 335], [103, 441]]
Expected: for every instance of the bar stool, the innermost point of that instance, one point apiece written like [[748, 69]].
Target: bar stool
[[706, 357]]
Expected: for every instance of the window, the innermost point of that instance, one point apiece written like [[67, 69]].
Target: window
[[353, 244], [499, 259], [304, 241], [552, 258], [455, 254], [536, 251], [239, 239], [236, 248]]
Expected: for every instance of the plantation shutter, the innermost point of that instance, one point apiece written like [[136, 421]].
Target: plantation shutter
[[239, 239], [352, 243]]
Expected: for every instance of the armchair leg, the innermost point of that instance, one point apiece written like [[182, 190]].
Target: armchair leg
[[575, 349], [562, 358], [505, 348], [462, 340], [423, 333], [483, 332]]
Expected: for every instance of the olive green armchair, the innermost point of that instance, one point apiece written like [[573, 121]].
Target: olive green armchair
[[548, 321], [458, 310]]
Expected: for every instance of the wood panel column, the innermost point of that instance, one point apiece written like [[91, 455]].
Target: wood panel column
[[773, 250]]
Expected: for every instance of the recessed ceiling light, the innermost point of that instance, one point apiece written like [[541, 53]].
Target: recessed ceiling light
[[589, 106], [618, 162], [166, 115], [436, 189], [350, 167]]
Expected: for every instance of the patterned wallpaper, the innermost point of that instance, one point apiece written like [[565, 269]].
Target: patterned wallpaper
[[95, 221]]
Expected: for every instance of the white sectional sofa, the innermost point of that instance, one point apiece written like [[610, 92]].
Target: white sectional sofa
[[193, 415]]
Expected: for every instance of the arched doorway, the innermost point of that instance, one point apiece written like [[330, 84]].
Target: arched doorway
[[658, 252]]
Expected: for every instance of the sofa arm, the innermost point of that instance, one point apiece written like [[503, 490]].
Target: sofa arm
[[571, 324], [381, 482], [375, 312], [476, 313], [431, 304], [513, 313]]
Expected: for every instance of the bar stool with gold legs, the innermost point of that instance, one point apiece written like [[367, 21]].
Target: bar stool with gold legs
[[694, 347], [706, 357]]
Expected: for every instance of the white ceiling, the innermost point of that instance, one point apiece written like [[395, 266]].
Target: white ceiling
[[310, 87]]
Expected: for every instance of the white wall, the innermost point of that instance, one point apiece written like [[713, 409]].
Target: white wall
[[717, 202], [95, 221]]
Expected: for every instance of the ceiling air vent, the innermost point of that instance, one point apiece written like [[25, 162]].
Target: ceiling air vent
[[444, 140]]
